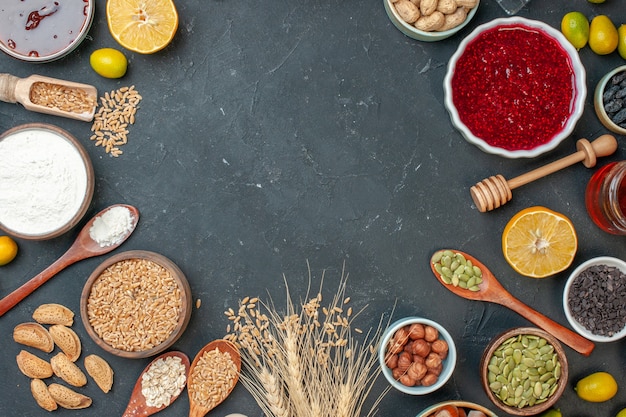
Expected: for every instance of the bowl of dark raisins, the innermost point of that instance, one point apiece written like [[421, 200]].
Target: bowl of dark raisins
[[609, 100], [594, 299]]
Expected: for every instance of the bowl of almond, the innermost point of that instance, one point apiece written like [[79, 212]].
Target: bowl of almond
[[136, 304], [430, 20]]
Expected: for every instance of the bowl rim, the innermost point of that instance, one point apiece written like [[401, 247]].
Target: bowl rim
[[89, 173], [497, 341], [598, 102], [459, 403], [404, 27], [578, 104], [179, 277], [579, 328], [82, 34], [450, 361]]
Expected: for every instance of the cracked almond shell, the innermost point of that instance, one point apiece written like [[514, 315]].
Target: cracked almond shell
[[40, 393], [53, 314], [67, 340], [100, 371], [33, 335], [68, 398], [67, 370], [33, 366]]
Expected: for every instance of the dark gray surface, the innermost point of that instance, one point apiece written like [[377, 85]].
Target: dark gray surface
[[275, 132]]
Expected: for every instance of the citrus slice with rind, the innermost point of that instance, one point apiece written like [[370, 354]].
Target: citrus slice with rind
[[143, 26], [538, 242]]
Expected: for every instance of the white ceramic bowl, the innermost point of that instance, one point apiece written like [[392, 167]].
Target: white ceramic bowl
[[459, 404], [51, 181], [420, 35], [578, 327], [449, 362], [576, 106], [599, 104], [53, 31]]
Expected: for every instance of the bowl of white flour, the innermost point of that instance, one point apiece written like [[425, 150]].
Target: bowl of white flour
[[46, 181]]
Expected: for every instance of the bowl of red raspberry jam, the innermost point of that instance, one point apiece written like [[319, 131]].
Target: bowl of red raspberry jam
[[515, 87], [41, 31]]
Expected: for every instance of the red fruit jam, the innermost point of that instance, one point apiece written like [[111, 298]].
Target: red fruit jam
[[40, 28], [513, 87]]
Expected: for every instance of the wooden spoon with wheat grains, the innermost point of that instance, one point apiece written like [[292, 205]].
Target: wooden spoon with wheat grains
[[209, 382]]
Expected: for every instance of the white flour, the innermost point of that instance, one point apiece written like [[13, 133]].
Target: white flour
[[43, 181], [110, 227]]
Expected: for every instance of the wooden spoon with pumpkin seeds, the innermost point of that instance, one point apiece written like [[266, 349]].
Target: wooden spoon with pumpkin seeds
[[489, 289], [139, 405]]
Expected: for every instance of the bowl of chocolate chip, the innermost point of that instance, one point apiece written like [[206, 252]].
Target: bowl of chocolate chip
[[594, 299]]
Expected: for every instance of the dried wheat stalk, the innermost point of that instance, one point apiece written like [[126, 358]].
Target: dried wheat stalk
[[305, 361]]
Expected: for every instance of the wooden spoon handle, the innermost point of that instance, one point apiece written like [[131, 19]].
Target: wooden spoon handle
[[7, 88], [11, 300], [587, 152], [565, 335]]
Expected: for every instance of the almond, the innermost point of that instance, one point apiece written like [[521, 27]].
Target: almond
[[100, 371], [67, 370], [33, 335], [53, 314], [33, 366], [40, 392], [68, 398], [67, 340]]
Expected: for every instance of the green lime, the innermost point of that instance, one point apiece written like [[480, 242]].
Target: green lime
[[108, 62], [596, 1], [575, 27], [621, 413]]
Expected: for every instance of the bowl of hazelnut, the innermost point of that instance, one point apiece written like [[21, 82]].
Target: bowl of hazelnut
[[417, 355]]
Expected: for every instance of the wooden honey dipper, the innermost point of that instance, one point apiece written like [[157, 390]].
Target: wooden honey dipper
[[495, 191]]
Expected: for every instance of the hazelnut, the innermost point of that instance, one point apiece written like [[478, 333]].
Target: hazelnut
[[396, 373], [391, 361], [439, 346], [429, 379], [404, 361], [394, 348], [407, 380], [417, 371], [419, 359], [433, 360], [430, 334], [421, 347], [401, 336], [437, 371], [416, 331]]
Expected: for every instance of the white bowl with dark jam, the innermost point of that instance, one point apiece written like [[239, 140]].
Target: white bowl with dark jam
[[43, 30], [515, 87]]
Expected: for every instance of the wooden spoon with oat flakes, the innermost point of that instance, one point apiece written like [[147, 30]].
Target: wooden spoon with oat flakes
[[159, 385]]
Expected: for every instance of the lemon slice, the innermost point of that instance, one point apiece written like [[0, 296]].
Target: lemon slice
[[538, 242], [142, 26]]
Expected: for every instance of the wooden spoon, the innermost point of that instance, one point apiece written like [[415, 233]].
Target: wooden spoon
[[137, 406], [198, 410], [18, 90], [83, 247], [491, 290]]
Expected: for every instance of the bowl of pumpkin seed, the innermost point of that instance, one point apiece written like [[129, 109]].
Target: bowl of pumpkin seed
[[524, 371]]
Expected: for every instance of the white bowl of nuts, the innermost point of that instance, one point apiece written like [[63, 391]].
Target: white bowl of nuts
[[417, 355], [136, 304], [430, 20]]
